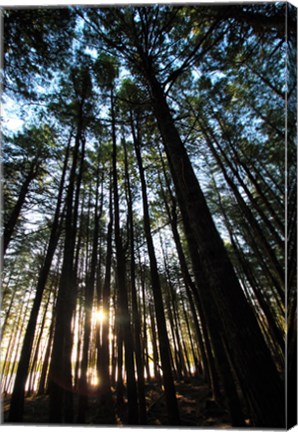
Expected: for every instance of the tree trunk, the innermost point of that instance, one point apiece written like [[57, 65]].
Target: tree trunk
[[198, 369], [60, 379], [260, 190], [145, 336], [250, 356], [135, 311], [103, 370], [123, 312], [12, 221], [205, 351], [164, 348], [249, 274], [156, 365], [10, 367], [42, 383], [89, 293], [262, 241], [246, 210], [7, 314], [17, 400], [34, 361]]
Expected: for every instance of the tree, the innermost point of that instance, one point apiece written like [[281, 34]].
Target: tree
[[27, 158], [17, 401], [144, 216], [60, 379], [172, 408], [36, 43], [216, 265]]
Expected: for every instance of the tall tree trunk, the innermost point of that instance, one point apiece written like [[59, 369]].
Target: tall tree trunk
[[156, 365], [267, 248], [7, 314], [260, 190], [273, 327], [206, 351], [135, 311], [14, 216], [207, 320], [17, 399], [175, 351], [198, 369], [15, 343], [80, 336], [123, 312], [8, 362], [44, 371], [164, 348], [104, 361], [174, 303], [213, 336], [144, 336], [60, 379], [249, 274], [114, 342], [250, 356], [89, 293], [34, 361]]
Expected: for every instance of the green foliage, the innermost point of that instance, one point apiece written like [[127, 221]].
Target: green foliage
[[36, 43], [106, 70]]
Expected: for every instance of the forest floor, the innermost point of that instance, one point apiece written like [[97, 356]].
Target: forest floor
[[196, 408]]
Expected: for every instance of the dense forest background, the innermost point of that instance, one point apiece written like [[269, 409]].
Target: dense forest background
[[149, 185]]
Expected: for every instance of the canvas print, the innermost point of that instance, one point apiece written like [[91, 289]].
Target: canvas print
[[149, 215]]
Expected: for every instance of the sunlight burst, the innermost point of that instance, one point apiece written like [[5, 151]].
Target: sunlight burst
[[100, 316]]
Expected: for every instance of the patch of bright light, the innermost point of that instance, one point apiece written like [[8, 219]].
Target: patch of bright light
[[100, 316]]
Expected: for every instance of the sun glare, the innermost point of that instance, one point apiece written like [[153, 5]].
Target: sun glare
[[100, 315]]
